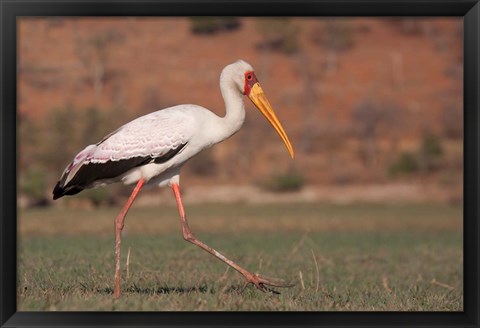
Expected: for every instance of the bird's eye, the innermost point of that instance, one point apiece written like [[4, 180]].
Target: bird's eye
[[249, 76]]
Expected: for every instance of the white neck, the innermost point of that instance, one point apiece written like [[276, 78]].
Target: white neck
[[235, 112]]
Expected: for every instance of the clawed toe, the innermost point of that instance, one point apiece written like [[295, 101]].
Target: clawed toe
[[263, 283]]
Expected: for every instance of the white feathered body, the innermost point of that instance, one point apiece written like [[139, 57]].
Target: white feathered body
[[152, 135]]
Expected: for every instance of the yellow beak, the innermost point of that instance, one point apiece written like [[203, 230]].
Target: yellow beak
[[257, 96]]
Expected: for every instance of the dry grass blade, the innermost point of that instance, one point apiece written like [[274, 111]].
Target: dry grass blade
[[385, 284], [435, 282], [317, 270], [128, 263], [298, 245], [301, 279]]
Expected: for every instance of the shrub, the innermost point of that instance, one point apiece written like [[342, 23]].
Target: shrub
[[279, 34], [430, 153], [34, 184], [98, 197], [211, 25], [405, 164], [427, 158], [284, 182]]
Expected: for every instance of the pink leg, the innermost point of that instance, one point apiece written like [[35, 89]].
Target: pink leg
[[119, 223], [252, 278]]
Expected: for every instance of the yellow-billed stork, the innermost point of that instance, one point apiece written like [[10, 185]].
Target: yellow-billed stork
[[152, 148]]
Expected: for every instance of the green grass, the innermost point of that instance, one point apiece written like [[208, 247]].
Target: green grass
[[357, 257]]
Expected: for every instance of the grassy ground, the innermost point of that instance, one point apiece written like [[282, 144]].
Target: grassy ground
[[340, 257]]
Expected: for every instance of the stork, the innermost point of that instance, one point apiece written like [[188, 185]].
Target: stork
[[151, 150]]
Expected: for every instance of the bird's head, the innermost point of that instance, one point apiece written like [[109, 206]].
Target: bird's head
[[243, 76]]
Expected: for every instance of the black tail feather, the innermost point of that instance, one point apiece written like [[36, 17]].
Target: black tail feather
[[59, 191]]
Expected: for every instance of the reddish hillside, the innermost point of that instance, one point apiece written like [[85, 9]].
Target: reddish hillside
[[140, 65]]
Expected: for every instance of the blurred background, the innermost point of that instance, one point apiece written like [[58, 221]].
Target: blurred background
[[368, 216], [372, 106]]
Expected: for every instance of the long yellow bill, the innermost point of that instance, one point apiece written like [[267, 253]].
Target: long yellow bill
[[257, 96]]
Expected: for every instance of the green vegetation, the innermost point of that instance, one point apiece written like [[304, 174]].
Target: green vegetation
[[279, 34], [97, 196], [405, 164], [284, 182], [430, 153], [211, 25], [33, 184], [427, 158], [358, 257]]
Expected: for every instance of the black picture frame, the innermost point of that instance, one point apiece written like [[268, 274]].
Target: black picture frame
[[11, 10]]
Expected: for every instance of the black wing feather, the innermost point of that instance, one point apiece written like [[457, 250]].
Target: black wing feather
[[91, 172]]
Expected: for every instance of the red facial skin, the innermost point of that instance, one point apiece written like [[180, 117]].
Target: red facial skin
[[250, 80]]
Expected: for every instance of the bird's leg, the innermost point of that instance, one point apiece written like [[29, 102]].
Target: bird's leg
[[252, 278], [119, 223]]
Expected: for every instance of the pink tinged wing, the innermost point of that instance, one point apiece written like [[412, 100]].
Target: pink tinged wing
[[156, 137], [152, 135], [77, 163]]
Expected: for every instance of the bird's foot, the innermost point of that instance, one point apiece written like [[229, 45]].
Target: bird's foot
[[263, 283]]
